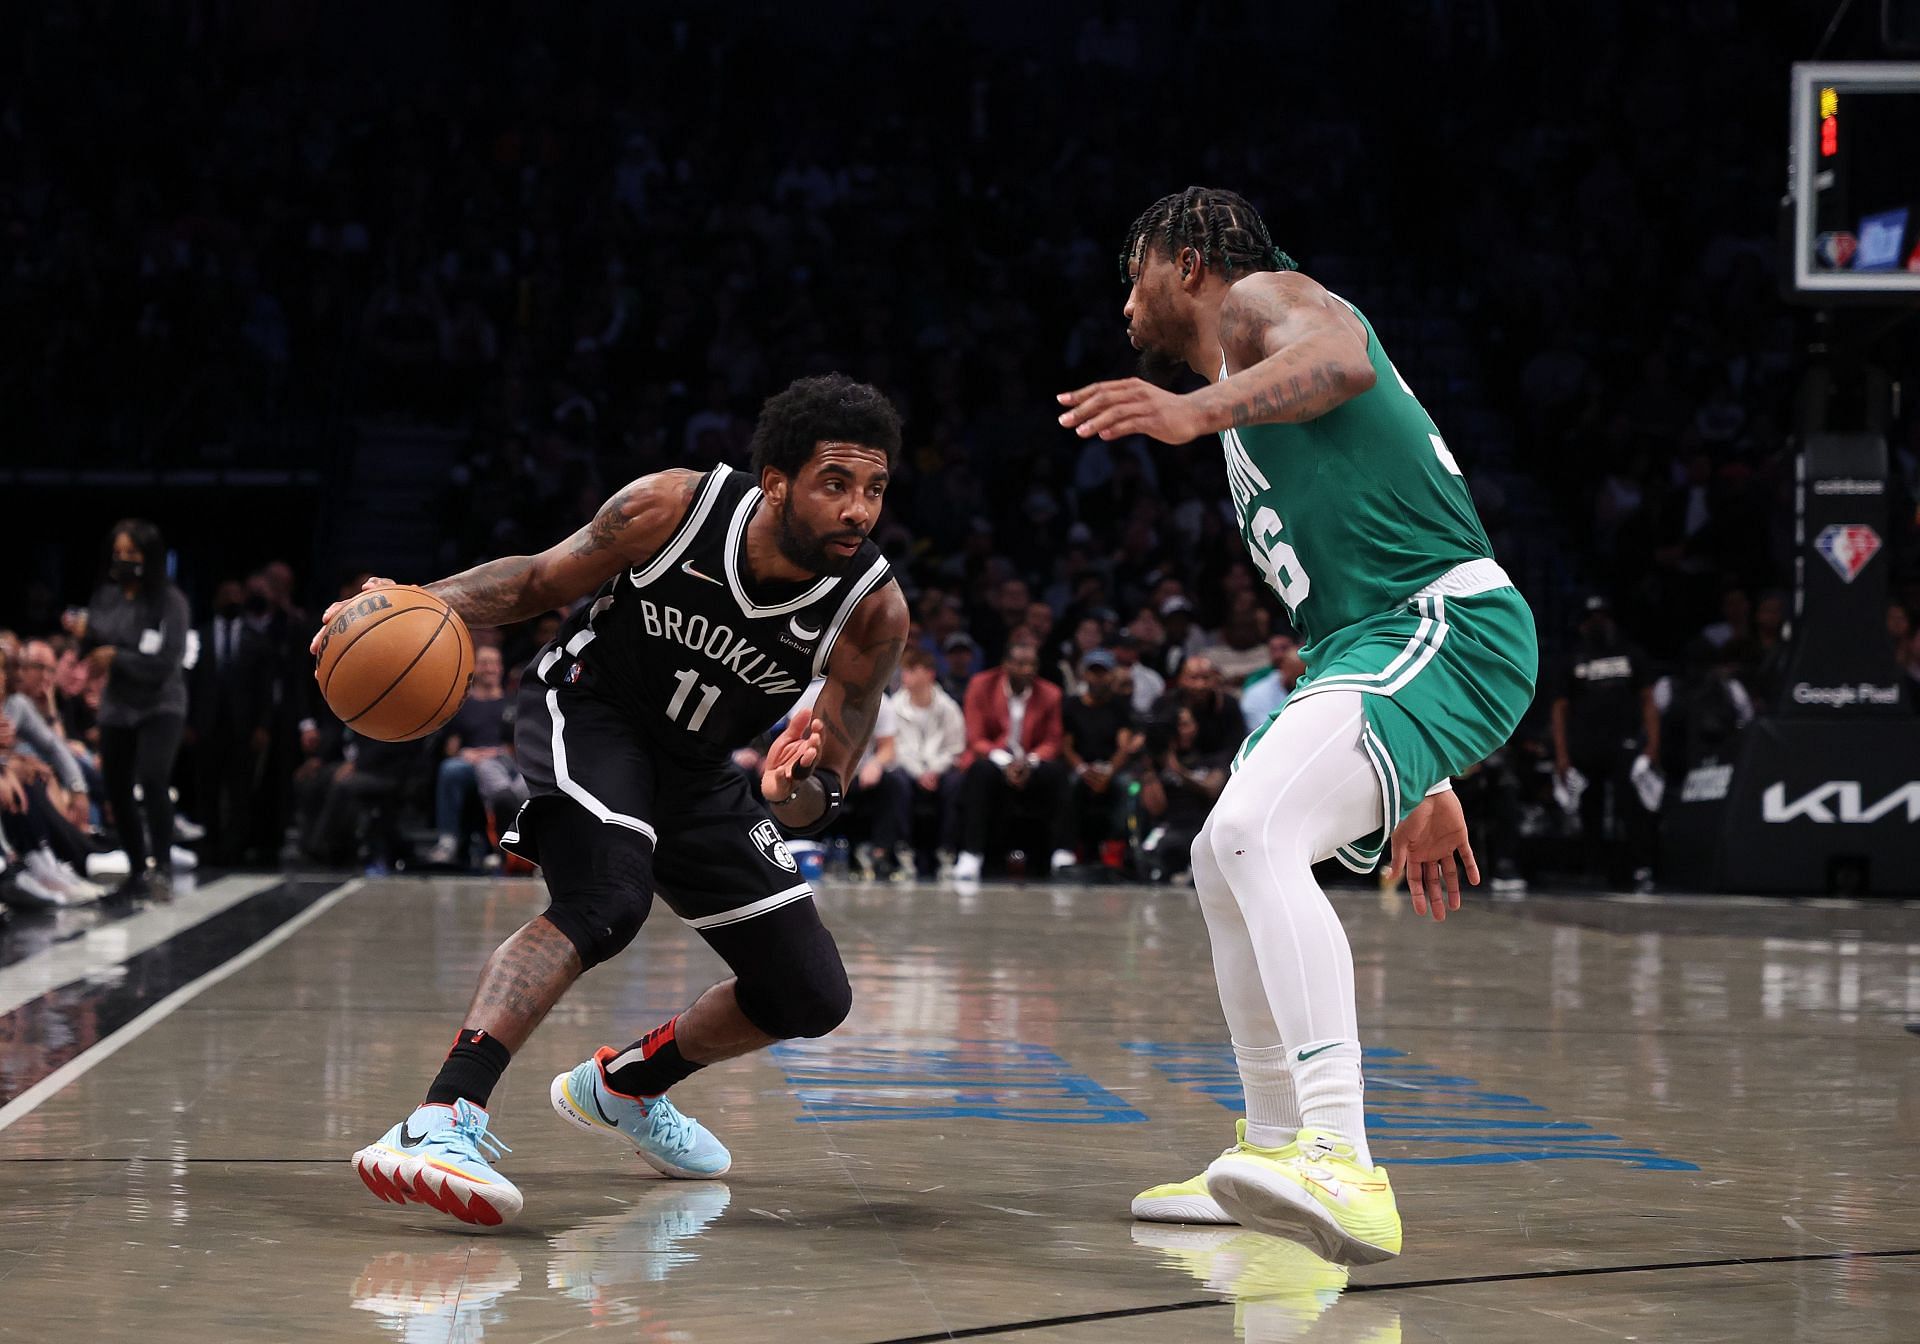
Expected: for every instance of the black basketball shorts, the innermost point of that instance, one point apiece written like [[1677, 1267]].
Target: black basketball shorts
[[718, 857]]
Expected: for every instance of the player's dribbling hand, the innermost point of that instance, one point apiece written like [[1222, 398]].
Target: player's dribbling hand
[[1423, 849], [1126, 406], [792, 756], [326, 618]]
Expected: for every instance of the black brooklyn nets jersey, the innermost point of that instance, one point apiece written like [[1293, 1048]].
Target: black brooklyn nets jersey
[[693, 657]]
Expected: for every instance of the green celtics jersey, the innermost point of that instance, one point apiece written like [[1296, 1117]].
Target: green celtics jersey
[[1353, 513]]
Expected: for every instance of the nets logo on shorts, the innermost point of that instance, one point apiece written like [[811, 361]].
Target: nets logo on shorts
[[1848, 547], [766, 838]]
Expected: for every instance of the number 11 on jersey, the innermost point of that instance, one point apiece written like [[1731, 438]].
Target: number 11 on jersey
[[708, 695]]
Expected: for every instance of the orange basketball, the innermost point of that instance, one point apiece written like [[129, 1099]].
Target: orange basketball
[[395, 664]]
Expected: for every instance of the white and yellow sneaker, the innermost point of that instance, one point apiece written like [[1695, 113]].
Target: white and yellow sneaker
[[1189, 1201], [1316, 1194]]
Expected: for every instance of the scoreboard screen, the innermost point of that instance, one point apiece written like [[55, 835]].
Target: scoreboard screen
[[1854, 183]]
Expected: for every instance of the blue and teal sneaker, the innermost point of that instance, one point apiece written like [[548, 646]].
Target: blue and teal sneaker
[[671, 1143], [440, 1156]]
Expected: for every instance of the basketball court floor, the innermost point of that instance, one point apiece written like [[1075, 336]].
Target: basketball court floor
[[1653, 1119]]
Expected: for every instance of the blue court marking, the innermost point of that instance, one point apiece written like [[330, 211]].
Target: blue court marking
[[1419, 1116], [882, 1078]]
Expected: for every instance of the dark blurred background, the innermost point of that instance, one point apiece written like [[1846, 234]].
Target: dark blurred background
[[401, 287]]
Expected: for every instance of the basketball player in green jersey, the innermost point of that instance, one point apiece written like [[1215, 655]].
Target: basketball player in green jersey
[[1420, 661]]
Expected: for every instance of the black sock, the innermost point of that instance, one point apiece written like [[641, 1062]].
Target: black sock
[[472, 1070], [650, 1065]]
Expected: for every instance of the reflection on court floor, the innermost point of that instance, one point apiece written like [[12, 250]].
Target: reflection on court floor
[[1669, 1120]]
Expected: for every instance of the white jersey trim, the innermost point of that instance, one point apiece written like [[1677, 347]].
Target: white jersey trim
[[867, 583], [742, 912], [730, 562], [1407, 664], [1475, 576], [573, 788], [682, 538], [1354, 855]]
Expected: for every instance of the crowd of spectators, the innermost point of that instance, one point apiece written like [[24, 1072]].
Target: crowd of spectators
[[586, 242]]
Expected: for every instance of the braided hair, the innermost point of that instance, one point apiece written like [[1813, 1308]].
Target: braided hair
[[1221, 226]]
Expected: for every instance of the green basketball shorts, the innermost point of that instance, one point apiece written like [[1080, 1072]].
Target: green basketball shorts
[[1444, 679]]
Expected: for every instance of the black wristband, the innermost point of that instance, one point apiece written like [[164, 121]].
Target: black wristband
[[831, 790]]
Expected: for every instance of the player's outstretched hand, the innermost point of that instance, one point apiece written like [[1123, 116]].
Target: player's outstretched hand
[[1423, 848], [792, 756], [1126, 406], [326, 618]]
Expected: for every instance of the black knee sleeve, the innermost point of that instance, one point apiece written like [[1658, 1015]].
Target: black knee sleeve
[[599, 923], [789, 977], [600, 877]]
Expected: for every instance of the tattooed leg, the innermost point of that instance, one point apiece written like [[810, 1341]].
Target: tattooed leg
[[523, 979], [714, 1028]]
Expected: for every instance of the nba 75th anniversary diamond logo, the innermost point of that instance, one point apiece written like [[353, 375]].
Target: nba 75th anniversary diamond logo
[[1848, 547]]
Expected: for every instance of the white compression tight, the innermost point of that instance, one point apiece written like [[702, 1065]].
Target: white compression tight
[[1280, 956]]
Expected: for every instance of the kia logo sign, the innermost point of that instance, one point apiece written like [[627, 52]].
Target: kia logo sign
[[1838, 801]]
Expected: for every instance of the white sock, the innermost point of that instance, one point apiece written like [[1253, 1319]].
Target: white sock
[[1272, 1114], [1330, 1089]]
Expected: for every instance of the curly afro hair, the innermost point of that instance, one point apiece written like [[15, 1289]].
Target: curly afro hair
[[811, 411]]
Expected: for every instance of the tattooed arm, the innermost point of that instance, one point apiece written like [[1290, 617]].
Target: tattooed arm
[[1294, 352], [628, 530], [858, 671]]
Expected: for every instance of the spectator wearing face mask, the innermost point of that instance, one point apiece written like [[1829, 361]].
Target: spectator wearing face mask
[[136, 630]]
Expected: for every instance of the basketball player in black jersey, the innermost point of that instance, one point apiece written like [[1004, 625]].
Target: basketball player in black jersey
[[716, 597]]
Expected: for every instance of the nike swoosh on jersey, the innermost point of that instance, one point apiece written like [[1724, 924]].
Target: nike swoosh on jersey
[[686, 567]]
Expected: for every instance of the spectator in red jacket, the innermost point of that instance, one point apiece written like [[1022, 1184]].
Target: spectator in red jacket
[[1012, 759]]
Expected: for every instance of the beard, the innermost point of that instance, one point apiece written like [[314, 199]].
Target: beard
[[808, 549], [1161, 368]]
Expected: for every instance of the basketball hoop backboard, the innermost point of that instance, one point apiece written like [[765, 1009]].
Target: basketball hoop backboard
[[1853, 180]]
